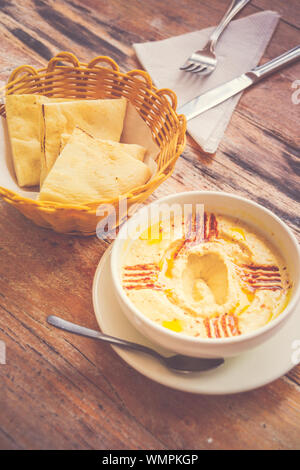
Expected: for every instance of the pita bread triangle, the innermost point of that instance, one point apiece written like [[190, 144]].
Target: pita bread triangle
[[100, 118], [89, 169], [22, 116]]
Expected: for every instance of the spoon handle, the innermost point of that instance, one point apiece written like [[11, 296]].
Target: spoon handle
[[87, 332]]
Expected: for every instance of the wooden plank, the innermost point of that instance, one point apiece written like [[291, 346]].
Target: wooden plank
[[60, 31], [289, 11]]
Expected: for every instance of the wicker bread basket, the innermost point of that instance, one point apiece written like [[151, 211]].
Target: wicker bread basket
[[66, 77]]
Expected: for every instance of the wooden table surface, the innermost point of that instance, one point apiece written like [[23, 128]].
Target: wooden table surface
[[59, 391]]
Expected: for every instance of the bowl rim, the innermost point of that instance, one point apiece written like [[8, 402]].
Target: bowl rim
[[182, 336]]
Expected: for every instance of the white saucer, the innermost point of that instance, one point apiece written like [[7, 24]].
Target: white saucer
[[248, 371]]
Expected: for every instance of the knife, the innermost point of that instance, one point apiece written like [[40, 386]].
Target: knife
[[221, 93]]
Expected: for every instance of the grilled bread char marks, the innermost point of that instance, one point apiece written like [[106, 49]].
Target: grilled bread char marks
[[261, 277], [141, 276], [201, 229], [224, 326], [210, 229], [197, 230]]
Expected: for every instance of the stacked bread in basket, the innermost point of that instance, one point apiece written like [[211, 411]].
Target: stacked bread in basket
[[150, 120]]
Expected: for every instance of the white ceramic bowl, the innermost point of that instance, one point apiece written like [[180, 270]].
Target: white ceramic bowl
[[266, 223]]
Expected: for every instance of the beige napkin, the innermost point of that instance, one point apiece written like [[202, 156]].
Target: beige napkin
[[239, 49]]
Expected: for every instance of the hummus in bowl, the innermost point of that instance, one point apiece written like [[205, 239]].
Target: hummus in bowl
[[227, 282], [209, 284]]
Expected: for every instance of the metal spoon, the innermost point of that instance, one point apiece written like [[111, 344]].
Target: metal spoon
[[177, 363]]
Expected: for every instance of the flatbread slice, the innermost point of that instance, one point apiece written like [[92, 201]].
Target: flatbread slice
[[22, 116], [135, 150], [100, 118], [89, 169]]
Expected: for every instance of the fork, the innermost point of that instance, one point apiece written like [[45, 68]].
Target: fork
[[204, 61]]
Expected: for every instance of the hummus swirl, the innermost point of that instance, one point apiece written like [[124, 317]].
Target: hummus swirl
[[228, 282]]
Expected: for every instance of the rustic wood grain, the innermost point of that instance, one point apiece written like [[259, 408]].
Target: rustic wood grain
[[59, 391]]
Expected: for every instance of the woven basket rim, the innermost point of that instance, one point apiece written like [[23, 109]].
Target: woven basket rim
[[161, 174]]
